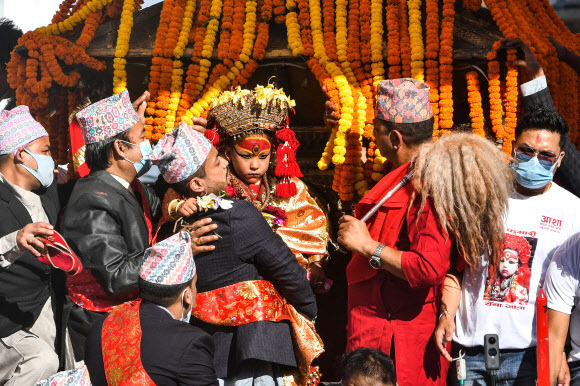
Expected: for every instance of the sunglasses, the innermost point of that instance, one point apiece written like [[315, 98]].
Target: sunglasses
[[526, 153]]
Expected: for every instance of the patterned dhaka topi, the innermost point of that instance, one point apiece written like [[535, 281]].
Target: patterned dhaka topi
[[170, 261], [403, 100], [180, 153], [107, 118], [18, 129]]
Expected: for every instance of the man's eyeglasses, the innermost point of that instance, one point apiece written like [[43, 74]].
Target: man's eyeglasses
[[545, 157]]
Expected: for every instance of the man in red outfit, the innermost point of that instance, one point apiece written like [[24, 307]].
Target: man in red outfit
[[401, 255]]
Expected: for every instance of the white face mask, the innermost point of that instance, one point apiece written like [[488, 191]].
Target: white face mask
[[188, 313]]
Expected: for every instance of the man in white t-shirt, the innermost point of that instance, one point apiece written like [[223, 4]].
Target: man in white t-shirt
[[562, 288], [501, 300]]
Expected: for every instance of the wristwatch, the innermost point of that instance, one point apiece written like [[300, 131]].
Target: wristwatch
[[375, 260]]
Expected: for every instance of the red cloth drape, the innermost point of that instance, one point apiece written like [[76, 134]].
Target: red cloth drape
[[121, 340]]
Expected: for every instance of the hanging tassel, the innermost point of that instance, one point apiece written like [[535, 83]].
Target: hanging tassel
[[213, 136], [286, 165], [286, 188]]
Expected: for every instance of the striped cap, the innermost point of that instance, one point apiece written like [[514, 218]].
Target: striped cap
[[170, 261]]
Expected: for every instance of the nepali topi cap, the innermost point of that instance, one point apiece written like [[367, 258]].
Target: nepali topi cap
[[404, 100], [18, 129], [107, 118], [169, 262], [180, 153]]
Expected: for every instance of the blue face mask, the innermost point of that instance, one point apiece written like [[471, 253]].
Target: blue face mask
[[188, 314], [144, 164], [532, 174], [44, 171]]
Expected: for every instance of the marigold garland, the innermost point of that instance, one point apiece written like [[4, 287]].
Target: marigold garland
[[474, 99], [122, 47], [416, 36], [293, 29], [446, 67], [404, 39], [511, 105], [431, 56], [495, 105], [71, 22], [393, 41]]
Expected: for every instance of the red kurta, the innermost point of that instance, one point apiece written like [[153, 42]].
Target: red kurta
[[389, 313]]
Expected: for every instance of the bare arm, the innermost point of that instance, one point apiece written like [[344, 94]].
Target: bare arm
[[558, 323], [450, 298]]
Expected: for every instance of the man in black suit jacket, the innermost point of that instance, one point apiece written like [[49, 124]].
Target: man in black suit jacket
[[29, 289], [171, 351], [110, 216], [247, 251]]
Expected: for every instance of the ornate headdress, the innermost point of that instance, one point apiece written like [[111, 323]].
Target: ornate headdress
[[242, 112], [520, 245]]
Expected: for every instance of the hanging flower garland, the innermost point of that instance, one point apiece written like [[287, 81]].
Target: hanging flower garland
[[329, 25], [344, 90], [416, 36], [31, 78], [495, 107], [474, 99], [393, 41], [511, 98], [405, 41], [365, 15], [472, 5], [376, 41], [89, 29], [71, 22], [293, 29], [446, 67], [431, 62], [177, 72], [122, 47], [305, 32], [191, 88], [224, 80]]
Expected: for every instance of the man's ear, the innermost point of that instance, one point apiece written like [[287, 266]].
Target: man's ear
[[396, 139], [119, 149], [562, 155], [19, 155], [197, 185]]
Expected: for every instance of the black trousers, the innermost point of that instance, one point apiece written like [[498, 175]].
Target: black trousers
[[79, 323]]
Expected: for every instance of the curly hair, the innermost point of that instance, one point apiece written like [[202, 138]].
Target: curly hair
[[469, 182]]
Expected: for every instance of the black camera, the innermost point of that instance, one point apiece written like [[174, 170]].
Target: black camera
[[491, 348]]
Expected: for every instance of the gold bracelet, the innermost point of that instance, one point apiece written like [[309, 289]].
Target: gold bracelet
[[173, 211]]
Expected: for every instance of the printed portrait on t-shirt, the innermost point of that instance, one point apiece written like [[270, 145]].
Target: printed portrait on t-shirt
[[510, 283]]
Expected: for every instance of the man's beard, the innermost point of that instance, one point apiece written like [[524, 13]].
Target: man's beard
[[215, 187]]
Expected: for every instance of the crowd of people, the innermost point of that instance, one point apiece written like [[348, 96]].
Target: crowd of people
[[210, 276]]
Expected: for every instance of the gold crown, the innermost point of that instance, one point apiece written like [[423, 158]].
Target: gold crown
[[242, 110]]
